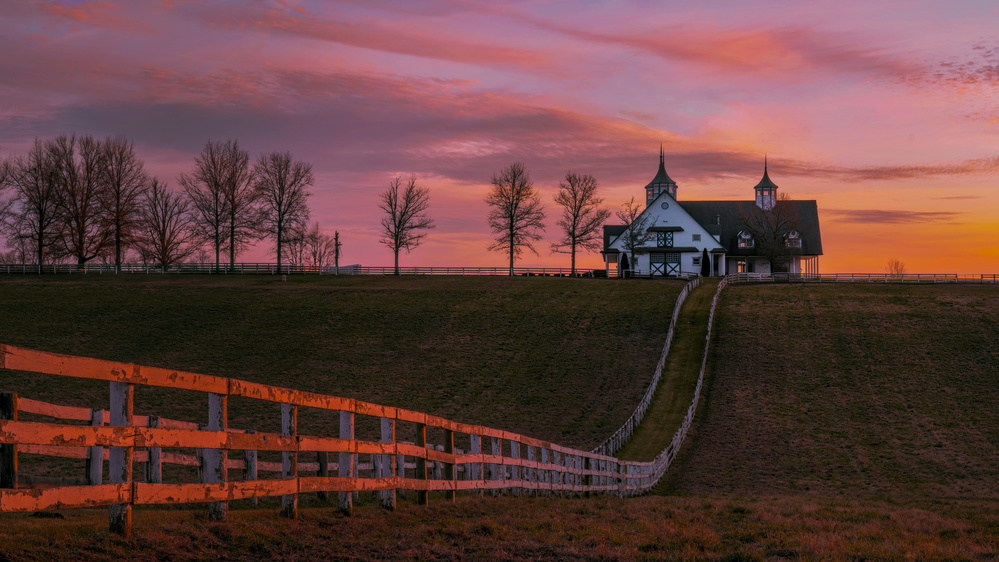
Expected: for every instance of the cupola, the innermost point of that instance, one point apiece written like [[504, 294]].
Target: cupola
[[766, 190], [661, 182]]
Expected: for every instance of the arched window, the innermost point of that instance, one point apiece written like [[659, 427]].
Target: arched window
[[793, 239], [745, 240]]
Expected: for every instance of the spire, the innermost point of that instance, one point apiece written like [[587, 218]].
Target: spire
[[766, 190], [662, 182]]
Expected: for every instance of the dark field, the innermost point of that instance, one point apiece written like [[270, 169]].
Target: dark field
[[837, 422], [870, 391], [648, 528], [559, 359]]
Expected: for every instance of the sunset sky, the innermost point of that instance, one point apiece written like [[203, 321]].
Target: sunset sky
[[886, 113]]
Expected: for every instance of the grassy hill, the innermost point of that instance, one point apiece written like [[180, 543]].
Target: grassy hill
[[871, 391], [559, 359], [837, 422]]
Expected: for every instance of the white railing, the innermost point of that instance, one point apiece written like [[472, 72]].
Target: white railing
[[614, 443], [863, 278]]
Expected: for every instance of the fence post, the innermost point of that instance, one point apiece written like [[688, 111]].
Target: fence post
[[495, 469], [8, 451], [449, 468], [421, 462], [546, 474], [323, 460], [250, 466], [531, 472], [120, 466], [154, 467], [388, 466], [400, 471], [215, 459], [346, 464], [475, 469], [515, 469], [289, 459], [95, 455]]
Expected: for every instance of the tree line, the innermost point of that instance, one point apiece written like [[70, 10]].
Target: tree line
[[82, 198]]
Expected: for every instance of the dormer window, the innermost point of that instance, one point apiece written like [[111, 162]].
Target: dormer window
[[664, 239], [745, 240], [793, 239]]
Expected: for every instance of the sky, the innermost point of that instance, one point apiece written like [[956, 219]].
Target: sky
[[886, 113]]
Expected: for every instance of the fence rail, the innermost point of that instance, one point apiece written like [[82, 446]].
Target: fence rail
[[981, 278], [495, 460], [286, 269], [615, 442]]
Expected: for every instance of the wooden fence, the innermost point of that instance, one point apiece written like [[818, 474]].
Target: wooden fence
[[615, 442], [981, 278], [512, 462], [286, 269]]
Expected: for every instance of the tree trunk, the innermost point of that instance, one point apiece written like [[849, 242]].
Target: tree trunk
[[572, 270], [511, 248], [397, 261]]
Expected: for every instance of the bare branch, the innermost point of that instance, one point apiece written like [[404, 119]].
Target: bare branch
[[165, 236], [517, 215], [125, 184], [281, 187], [582, 216], [637, 233], [770, 230], [405, 216]]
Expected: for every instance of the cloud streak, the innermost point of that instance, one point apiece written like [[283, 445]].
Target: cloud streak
[[886, 216]]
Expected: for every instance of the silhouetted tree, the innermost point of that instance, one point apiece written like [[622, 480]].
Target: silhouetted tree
[[320, 247], [164, 235], [34, 219], [705, 263], [895, 267], [243, 213], [79, 171], [205, 187], [770, 230], [405, 216], [281, 187], [125, 184], [582, 216], [637, 232], [517, 215]]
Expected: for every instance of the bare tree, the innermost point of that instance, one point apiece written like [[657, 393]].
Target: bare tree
[[517, 215], [126, 182], [205, 189], [405, 216], [79, 165], [164, 236], [770, 230], [35, 218], [282, 188], [294, 248], [895, 268], [582, 216], [637, 232], [243, 214], [320, 248]]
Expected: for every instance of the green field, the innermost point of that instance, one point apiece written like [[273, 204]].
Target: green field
[[874, 391], [559, 359], [836, 422]]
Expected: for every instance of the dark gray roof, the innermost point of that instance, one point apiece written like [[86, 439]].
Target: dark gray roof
[[662, 177], [612, 231], [724, 217], [766, 181]]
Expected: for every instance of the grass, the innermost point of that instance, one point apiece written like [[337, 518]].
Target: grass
[[837, 422], [679, 379], [867, 391], [649, 528], [558, 359]]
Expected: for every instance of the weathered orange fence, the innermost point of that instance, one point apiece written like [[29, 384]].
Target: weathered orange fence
[[513, 462]]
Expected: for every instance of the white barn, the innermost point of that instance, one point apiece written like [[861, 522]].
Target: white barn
[[669, 237]]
